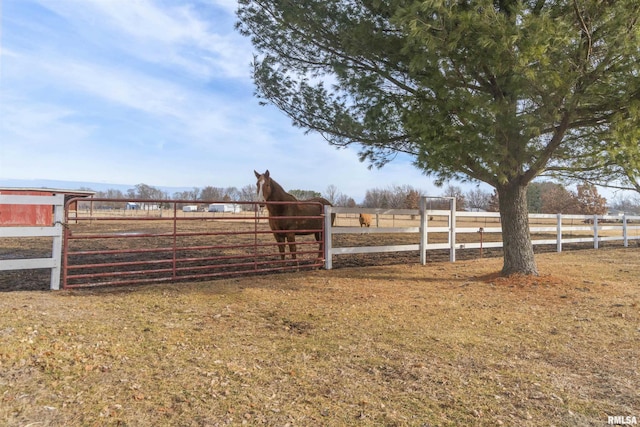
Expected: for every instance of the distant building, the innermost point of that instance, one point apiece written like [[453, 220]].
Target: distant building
[[225, 207]]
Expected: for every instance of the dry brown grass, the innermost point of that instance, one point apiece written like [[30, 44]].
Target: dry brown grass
[[442, 345]]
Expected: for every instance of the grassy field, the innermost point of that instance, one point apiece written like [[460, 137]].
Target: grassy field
[[403, 345]]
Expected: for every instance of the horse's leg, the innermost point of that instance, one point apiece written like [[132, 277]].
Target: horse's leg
[[291, 237], [280, 238]]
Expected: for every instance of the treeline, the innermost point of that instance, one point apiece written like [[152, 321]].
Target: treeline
[[549, 197], [544, 197], [552, 198], [147, 192]]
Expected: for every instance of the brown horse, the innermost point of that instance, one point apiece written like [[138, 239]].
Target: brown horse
[[365, 220], [285, 229]]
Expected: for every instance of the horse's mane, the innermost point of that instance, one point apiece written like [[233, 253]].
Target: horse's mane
[[278, 187]]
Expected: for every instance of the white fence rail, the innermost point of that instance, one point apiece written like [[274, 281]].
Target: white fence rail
[[545, 229], [55, 231], [554, 229]]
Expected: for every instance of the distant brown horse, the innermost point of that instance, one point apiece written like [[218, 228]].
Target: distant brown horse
[[287, 228], [365, 220]]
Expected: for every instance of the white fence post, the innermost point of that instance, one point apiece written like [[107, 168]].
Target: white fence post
[[452, 232], [595, 232], [56, 249], [625, 238], [327, 237], [423, 230], [559, 233]]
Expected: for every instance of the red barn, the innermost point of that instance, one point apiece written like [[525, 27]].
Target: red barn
[[33, 215]]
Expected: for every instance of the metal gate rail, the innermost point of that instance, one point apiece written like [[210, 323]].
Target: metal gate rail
[[166, 244]]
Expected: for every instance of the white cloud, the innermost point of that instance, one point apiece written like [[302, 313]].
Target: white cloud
[[128, 92], [230, 6], [168, 36], [34, 125]]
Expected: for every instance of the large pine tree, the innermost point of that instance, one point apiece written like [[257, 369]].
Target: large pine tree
[[496, 91]]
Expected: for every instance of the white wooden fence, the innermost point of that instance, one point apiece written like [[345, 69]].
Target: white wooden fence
[[422, 246], [565, 229], [594, 229], [54, 231]]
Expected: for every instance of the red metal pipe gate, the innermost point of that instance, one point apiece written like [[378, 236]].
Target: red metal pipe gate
[[106, 244]]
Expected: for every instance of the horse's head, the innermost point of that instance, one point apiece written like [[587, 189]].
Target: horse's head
[[263, 186]]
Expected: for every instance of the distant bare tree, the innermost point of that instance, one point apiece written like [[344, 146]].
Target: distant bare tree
[[187, 194], [477, 199], [332, 194], [107, 194], [144, 191], [626, 204], [180, 195], [110, 193], [345, 201], [231, 193], [394, 197], [336, 197], [212, 193], [248, 193], [194, 194], [455, 192], [375, 198]]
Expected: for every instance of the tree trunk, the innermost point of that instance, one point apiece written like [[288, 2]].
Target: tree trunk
[[516, 238]]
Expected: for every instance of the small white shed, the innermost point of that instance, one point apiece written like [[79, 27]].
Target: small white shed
[[224, 207]]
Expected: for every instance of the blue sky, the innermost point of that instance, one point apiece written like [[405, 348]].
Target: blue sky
[[155, 92]]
